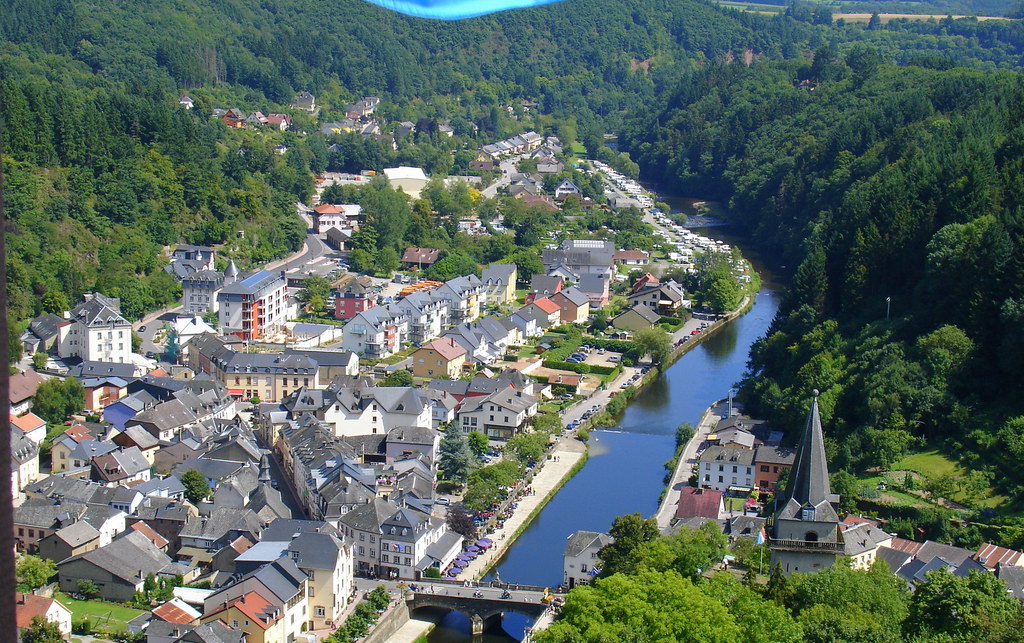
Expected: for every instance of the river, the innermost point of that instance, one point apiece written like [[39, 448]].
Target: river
[[625, 471]]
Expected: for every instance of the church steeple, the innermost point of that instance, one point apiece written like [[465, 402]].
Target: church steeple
[[805, 535], [264, 469], [808, 487]]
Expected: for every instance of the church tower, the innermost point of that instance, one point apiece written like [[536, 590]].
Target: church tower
[[805, 535]]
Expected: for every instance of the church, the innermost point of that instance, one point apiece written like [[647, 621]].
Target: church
[[805, 534]]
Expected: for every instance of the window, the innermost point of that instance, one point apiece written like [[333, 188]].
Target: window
[[373, 538], [776, 469], [383, 558], [764, 468], [234, 623], [721, 468], [21, 531], [373, 554], [31, 533], [734, 468], [320, 612], [408, 561], [720, 479]]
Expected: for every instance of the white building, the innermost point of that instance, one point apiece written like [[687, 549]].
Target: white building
[[377, 410], [725, 467], [254, 307], [580, 562], [95, 331], [410, 179]]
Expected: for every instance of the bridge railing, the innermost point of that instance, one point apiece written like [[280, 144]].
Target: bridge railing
[[425, 583]]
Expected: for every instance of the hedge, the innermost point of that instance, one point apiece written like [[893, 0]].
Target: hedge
[[583, 369], [568, 347], [613, 345]]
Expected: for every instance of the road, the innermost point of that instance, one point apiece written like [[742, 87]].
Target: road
[[687, 460], [508, 167]]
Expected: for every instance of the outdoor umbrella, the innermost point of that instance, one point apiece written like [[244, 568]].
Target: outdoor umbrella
[[473, 548], [484, 542]]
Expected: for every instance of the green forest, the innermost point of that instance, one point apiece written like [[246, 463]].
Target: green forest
[[882, 159]]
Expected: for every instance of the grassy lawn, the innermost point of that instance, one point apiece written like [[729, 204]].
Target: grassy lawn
[[931, 464], [926, 464], [550, 407], [101, 614], [399, 356], [734, 504]]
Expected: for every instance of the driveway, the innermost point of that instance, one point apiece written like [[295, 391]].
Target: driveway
[[508, 167]]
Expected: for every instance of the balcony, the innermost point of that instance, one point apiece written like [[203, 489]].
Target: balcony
[[807, 546]]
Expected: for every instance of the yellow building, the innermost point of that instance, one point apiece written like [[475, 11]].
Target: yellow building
[[261, 621], [443, 357]]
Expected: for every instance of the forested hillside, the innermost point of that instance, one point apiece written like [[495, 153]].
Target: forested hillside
[[897, 191]]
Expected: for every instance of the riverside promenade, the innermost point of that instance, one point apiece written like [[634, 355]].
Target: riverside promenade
[[684, 467]]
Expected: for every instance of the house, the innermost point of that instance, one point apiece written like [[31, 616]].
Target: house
[[994, 556], [499, 283], [597, 288], [770, 462], [477, 165], [410, 180], [30, 425], [268, 376], [363, 107], [543, 286], [29, 606], [210, 533], [420, 257], [103, 391], [118, 569], [568, 381], [304, 101], [632, 257], [499, 415], [463, 297], [340, 216], [199, 289], [544, 202], [269, 604], [442, 406], [254, 307], [121, 467], [186, 102], [24, 463], [330, 363], [77, 538], [94, 330], [529, 322], [427, 314], [22, 388], [256, 119], [67, 443], [547, 311], [647, 279], [862, 541], [280, 121], [187, 327], [700, 503], [188, 258], [573, 304], [580, 561], [443, 357], [549, 165], [376, 333], [566, 188], [668, 298], [392, 541], [636, 318], [721, 469], [41, 336]]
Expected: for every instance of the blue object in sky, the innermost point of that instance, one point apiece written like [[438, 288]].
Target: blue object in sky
[[455, 9]]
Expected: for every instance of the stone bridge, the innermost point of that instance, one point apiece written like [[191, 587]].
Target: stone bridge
[[482, 604]]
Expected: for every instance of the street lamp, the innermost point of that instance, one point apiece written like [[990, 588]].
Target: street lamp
[[888, 300]]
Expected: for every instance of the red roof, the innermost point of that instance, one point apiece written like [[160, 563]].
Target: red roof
[[328, 208], [158, 372], [425, 256], [77, 432], [630, 254], [27, 422], [172, 613], [565, 379], [29, 606], [906, 546], [991, 555], [703, 503], [23, 386], [150, 535], [853, 521], [446, 347], [545, 304], [252, 605]]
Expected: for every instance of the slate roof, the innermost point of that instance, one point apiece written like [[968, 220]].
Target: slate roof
[[213, 632], [808, 482], [119, 465], [130, 557], [369, 517], [286, 528], [86, 369], [580, 541], [498, 273], [645, 313], [506, 398], [895, 558], [544, 284], [576, 296], [99, 310], [218, 524], [1013, 576], [774, 455], [863, 538], [412, 435], [722, 455], [77, 534], [46, 326]]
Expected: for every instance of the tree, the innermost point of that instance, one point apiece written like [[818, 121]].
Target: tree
[[629, 532], [34, 571], [650, 606], [56, 399], [87, 588], [956, 608], [547, 422], [455, 459], [527, 447], [42, 631], [314, 286], [197, 488], [172, 349], [528, 263], [39, 361], [401, 377], [654, 342], [461, 522], [388, 260], [478, 442], [454, 265]]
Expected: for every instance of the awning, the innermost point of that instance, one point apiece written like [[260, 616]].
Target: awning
[[236, 392]]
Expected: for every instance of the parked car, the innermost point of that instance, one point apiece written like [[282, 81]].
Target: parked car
[[443, 501], [142, 329]]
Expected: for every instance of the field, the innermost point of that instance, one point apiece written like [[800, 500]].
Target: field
[[102, 615], [929, 464]]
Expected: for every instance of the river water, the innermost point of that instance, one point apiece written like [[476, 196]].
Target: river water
[[625, 471]]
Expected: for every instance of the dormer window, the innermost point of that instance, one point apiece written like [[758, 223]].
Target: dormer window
[[807, 513]]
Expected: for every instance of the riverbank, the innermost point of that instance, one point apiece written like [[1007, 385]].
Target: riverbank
[[684, 467]]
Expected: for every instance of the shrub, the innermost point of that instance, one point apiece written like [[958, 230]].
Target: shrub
[[583, 435]]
